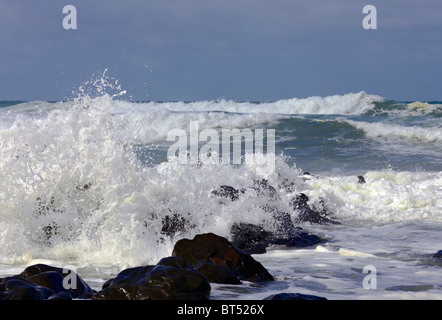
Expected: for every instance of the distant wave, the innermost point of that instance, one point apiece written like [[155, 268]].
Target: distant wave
[[351, 103], [378, 129]]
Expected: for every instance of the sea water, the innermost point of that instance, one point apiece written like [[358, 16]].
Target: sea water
[[86, 183]]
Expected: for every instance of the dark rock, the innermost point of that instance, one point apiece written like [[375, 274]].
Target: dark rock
[[107, 283], [254, 239], [173, 224], [312, 216], [308, 176], [176, 262], [307, 214], [156, 283], [219, 251], [298, 239], [63, 295], [40, 282], [293, 296], [49, 279], [264, 189], [437, 255], [300, 202], [45, 275], [227, 192], [282, 220], [251, 238], [216, 273], [16, 288], [361, 180], [112, 293]]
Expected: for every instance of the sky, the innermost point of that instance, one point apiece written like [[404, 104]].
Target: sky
[[242, 50]]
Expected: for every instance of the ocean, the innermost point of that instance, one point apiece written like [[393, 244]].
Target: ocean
[[87, 183]]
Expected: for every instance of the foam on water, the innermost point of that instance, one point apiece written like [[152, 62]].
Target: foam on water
[[386, 130], [387, 196], [74, 191], [351, 103], [397, 254]]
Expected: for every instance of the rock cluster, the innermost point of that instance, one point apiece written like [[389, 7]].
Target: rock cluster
[[186, 275], [194, 263], [44, 282]]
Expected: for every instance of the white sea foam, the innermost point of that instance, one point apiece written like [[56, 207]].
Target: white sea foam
[[156, 117], [422, 108], [386, 130], [351, 103], [71, 191], [387, 196]]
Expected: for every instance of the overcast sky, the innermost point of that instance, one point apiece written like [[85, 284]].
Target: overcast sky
[[255, 50]]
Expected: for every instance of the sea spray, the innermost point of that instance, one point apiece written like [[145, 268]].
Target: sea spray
[[74, 191], [86, 182]]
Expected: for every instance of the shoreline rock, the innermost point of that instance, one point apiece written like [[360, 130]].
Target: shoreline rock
[[307, 214], [254, 239], [293, 296], [209, 248], [185, 275], [437, 255], [42, 282], [158, 282]]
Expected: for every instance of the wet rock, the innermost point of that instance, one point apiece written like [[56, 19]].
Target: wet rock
[[312, 216], [308, 176], [293, 296], [227, 192], [173, 224], [16, 288], [254, 239], [41, 282], [216, 273], [307, 214], [211, 248], [251, 238], [52, 277], [112, 293], [264, 189], [176, 262], [63, 295], [49, 279], [282, 221], [300, 202], [158, 282], [437, 255]]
